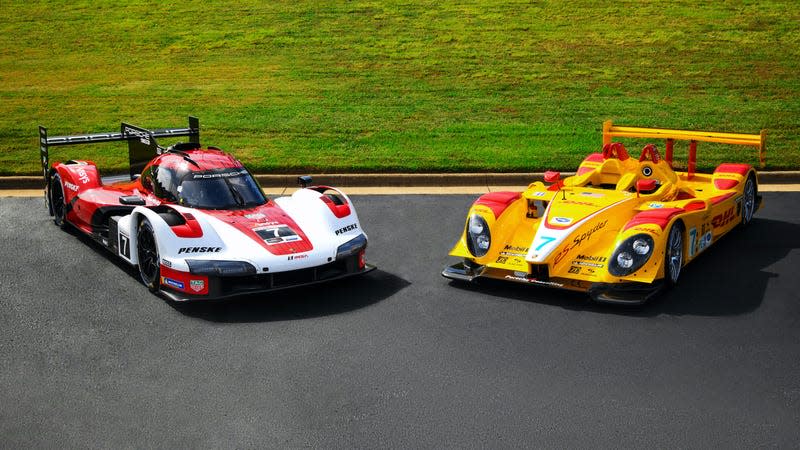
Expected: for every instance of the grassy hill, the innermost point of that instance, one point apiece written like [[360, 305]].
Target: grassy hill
[[308, 86]]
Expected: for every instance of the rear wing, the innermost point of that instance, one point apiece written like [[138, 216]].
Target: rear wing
[[142, 145], [611, 131]]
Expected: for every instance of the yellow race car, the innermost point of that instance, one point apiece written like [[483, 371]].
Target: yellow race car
[[620, 229]]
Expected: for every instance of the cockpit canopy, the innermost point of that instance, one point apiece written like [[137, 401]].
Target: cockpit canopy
[[220, 188]]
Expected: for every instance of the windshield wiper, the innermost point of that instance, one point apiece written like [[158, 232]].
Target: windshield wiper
[[236, 194]]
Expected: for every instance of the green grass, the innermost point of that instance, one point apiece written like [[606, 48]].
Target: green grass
[[309, 86]]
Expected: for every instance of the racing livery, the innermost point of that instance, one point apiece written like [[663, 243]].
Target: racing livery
[[620, 229], [196, 223]]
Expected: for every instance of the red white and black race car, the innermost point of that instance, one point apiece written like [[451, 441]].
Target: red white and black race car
[[197, 224]]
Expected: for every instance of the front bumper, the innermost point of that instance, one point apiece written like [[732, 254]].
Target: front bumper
[[227, 287], [630, 293]]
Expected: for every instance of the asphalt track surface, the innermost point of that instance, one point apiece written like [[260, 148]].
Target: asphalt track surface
[[400, 357]]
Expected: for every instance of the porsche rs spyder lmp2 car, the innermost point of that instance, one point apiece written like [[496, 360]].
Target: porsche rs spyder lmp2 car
[[620, 229], [196, 224]]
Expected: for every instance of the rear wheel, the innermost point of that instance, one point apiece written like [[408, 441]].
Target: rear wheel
[[147, 252], [673, 256], [57, 203], [749, 200]]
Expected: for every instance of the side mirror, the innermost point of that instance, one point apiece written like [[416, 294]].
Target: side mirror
[[552, 176], [134, 200], [304, 180]]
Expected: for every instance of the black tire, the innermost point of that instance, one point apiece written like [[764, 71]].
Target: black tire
[[749, 200], [673, 255], [58, 205], [147, 253]]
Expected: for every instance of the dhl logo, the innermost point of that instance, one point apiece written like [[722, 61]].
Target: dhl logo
[[720, 220]]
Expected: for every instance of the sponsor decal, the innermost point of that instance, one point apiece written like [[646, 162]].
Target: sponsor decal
[[513, 254], [197, 285], [656, 230], [83, 176], [562, 220], [277, 234], [656, 205], [171, 282], [539, 194], [346, 228], [166, 262], [698, 245], [501, 259], [587, 264], [255, 216], [576, 202], [296, 257], [70, 186], [533, 281], [600, 259], [521, 251], [199, 250], [144, 138], [574, 269], [720, 220], [592, 194], [586, 236], [219, 175]]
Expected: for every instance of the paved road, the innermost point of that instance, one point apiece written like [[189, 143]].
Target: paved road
[[401, 357]]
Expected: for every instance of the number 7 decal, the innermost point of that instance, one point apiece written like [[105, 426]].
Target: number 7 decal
[[546, 239]]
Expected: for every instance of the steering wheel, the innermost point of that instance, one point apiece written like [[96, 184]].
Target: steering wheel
[[651, 151], [615, 150]]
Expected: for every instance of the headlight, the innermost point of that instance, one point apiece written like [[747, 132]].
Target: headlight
[[220, 268], [630, 255], [351, 247], [641, 247], [478, 238]]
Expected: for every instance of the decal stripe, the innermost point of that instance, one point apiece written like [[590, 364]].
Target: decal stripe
[[498, 201], [722, 198], [660, 217], [273, 216]]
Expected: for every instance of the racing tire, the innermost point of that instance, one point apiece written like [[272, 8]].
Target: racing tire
[[749, 200], [673, 255], [57, 203], [147, 253]]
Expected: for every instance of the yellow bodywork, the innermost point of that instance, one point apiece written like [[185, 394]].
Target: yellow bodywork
[[563, 234]]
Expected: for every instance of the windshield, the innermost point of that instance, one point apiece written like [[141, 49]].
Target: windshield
[[220, 189]]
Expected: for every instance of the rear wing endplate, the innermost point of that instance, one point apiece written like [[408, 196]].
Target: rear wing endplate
[[611, 131], [142, 145]]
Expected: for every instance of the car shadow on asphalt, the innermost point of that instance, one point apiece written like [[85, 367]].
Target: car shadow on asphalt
[[329, 298], [318, 300], [729, 279]]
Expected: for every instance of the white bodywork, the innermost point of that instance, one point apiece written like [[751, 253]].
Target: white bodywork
[[324, 230]]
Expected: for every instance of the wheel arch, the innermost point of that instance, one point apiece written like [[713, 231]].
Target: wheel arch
[[160, 230]]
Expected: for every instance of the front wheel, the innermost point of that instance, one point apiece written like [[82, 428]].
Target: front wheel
[[147, 252], [673, 256]]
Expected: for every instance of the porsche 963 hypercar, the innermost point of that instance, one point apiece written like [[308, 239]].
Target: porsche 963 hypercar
[[620, 229], [196, 223]]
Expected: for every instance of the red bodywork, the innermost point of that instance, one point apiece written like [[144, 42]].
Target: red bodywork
[[90, 203]]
